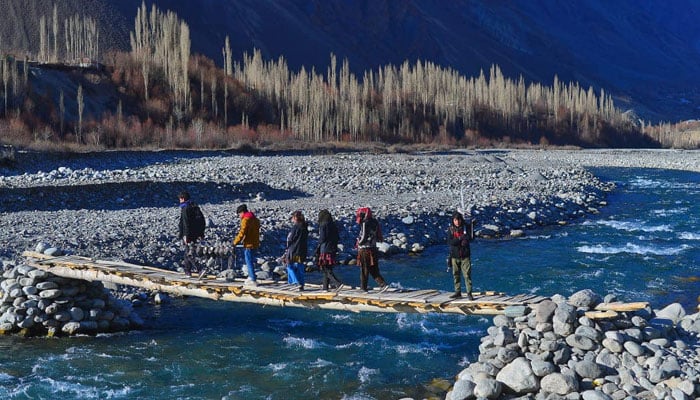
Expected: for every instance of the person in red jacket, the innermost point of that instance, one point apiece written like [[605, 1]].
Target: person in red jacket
[[458, 237]]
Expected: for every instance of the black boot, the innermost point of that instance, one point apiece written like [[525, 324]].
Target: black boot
[[456, 295]]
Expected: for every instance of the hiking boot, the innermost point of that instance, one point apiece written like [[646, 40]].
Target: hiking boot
[[301, 288], [250, 282], [469, 296], [456, 295], [383, 288], [339, 288]]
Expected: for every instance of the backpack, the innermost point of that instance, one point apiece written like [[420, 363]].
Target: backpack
[[197, 222]]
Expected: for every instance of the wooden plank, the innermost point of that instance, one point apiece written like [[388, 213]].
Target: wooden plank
[[622, 307]]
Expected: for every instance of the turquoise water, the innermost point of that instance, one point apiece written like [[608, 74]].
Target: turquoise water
[[642, 247]]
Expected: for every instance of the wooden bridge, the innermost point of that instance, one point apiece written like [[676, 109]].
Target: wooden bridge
[[282, 294]]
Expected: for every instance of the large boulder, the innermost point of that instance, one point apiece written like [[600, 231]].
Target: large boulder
[[518, 377]]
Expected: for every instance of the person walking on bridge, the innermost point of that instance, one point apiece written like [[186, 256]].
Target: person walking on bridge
[[458, 237], [327, 249], [367, 253], [191, 228], [295, 255], [249, 236]]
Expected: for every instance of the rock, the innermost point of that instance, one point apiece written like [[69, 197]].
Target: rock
[[588, 369], [77, 314], [53, 252], [50, 294], [516, 233], [40, 247], [580, 342], [518, 377], [673, 312], [515, 311], [594, 395], [487, 388], [71, 328], [161, 298], [559, 383], [585, 298], [463, 389], [633, 348], [542, 368], [47, 285]]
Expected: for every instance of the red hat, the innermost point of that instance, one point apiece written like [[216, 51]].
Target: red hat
[[362, 214]]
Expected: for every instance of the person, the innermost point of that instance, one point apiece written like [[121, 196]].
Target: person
[[460, 255], [249, 236], [295, 255], [190, 229], [367, 254], [327, 249]]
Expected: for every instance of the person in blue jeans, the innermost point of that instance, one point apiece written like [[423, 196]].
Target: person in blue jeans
[[295, 255], [249, 236]]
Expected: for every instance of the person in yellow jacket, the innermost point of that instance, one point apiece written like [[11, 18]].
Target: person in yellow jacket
[[249, 236]]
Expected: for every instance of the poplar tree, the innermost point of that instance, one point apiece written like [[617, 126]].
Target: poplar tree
[[61, 110], [81, 107]]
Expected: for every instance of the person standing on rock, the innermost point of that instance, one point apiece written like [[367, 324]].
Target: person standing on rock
[[367, 254], [295, 255], [327, 249], [458, 239], [191, 228], [249, 236]]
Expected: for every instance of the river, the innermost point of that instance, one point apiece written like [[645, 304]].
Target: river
[[643, 246]]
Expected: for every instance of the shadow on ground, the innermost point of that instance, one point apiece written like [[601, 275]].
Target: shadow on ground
[[130, 195]]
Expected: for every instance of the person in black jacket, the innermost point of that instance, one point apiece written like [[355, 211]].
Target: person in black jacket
[[295, 255], [367, 254], [186, 230], [460, 255], [327, 249]]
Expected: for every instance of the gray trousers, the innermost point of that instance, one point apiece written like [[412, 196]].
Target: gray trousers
[[463, 265]]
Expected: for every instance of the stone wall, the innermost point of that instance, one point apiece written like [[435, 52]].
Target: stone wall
[[35, 302]]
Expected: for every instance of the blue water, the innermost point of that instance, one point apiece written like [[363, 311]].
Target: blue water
[[644, 246]]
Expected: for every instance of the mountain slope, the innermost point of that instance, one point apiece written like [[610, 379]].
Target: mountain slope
[[645, 52]]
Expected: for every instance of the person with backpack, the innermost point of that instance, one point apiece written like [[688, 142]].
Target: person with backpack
[[191, 228], [295, 255], [327, 249], [367, 253], [249, 236], [458, 237]]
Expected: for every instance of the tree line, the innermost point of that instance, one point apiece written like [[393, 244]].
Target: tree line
[[171, 98]]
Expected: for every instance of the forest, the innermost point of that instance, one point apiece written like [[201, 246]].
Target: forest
[[67, 94]]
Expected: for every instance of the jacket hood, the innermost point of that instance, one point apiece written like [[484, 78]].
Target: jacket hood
[[362, 214]]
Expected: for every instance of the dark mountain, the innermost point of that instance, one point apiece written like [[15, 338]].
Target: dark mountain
[[644, 52]]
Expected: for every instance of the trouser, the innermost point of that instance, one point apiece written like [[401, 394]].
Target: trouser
[[188, 262], [248, 255], [329, 275], [295, 273], [369, 265], [463, 265]]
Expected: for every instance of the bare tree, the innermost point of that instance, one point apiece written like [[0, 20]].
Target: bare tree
[[61, 110], [81, 107]]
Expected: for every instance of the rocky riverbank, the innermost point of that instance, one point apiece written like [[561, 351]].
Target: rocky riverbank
[[121, 205], [560, 350]]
